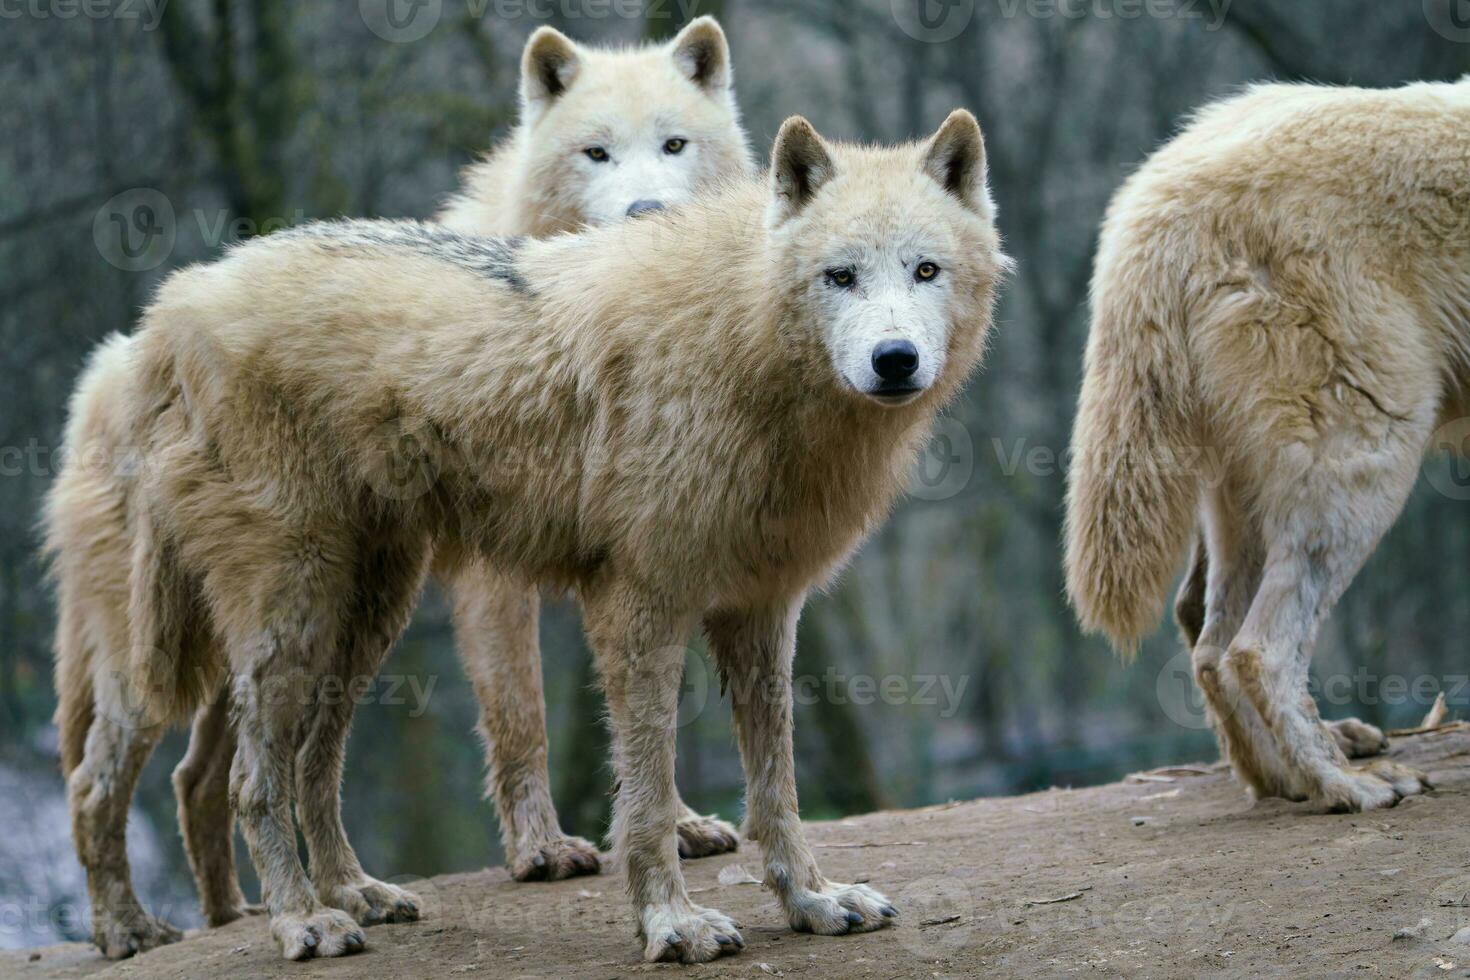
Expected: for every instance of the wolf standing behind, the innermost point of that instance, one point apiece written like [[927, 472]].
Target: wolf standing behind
[[722, 435], [676, 99], [604, 135], [1281, 316]]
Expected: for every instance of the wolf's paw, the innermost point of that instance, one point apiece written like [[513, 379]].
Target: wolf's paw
[[1376, 786], [371, 902], [558, 858], [325, 932], [123, 935], [836, 909], [1358, 739], [706, 836], [688, 935]]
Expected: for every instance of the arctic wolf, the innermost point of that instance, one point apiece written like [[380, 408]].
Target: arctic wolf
[[676, 99], [687, 443], [1281, 317], [604, 135]]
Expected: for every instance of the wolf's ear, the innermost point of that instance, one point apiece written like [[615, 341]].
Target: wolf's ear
[[549, 64], [703, 55], [800, 165], [955, 157]]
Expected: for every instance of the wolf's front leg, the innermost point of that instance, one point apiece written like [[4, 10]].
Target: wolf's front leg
[[639, 645], [754, 650]]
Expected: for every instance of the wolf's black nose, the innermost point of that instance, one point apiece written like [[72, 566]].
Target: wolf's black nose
[[644, 207], [895, 360]]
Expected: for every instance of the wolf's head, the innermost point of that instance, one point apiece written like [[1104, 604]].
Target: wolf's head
[[612, 134], [890, 254]]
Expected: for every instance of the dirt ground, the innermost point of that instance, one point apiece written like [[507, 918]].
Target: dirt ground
[[1168, 874]]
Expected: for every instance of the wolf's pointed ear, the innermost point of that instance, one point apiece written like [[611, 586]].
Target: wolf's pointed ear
[[955, 157], [549, 64], [703, 55], [800, 165]]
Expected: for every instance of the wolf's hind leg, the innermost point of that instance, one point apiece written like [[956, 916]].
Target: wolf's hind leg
[[202, 788], [1228, 570], [1326, 520], [100, 791], [272, 715], [387, 584], [496, 622]]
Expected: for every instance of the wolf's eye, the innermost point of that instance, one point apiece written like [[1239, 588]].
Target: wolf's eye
[[596, 154], [841, 278], [675, 146], [926, 271]]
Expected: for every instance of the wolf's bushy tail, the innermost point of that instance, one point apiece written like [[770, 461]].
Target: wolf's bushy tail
[[1133, 484]]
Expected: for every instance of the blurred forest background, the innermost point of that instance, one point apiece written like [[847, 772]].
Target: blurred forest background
[[230, 117]]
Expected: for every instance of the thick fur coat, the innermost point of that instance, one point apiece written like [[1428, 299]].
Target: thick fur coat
[[666, 415], [1281, 317]]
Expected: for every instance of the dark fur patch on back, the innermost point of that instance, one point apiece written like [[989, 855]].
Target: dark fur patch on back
[[493, 258]]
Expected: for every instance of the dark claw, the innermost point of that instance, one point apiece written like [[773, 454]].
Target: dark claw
[[725, 940], [539, 860], [312, 938], [889, 911], [853, 919], [355, 942]]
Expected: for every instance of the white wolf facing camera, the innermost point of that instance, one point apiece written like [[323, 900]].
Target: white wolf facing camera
[[777, 466], [608, 134]]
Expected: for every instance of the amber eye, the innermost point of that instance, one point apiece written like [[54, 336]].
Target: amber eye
[[842, 278], [926, 271], [675, 146], [596, 154]]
